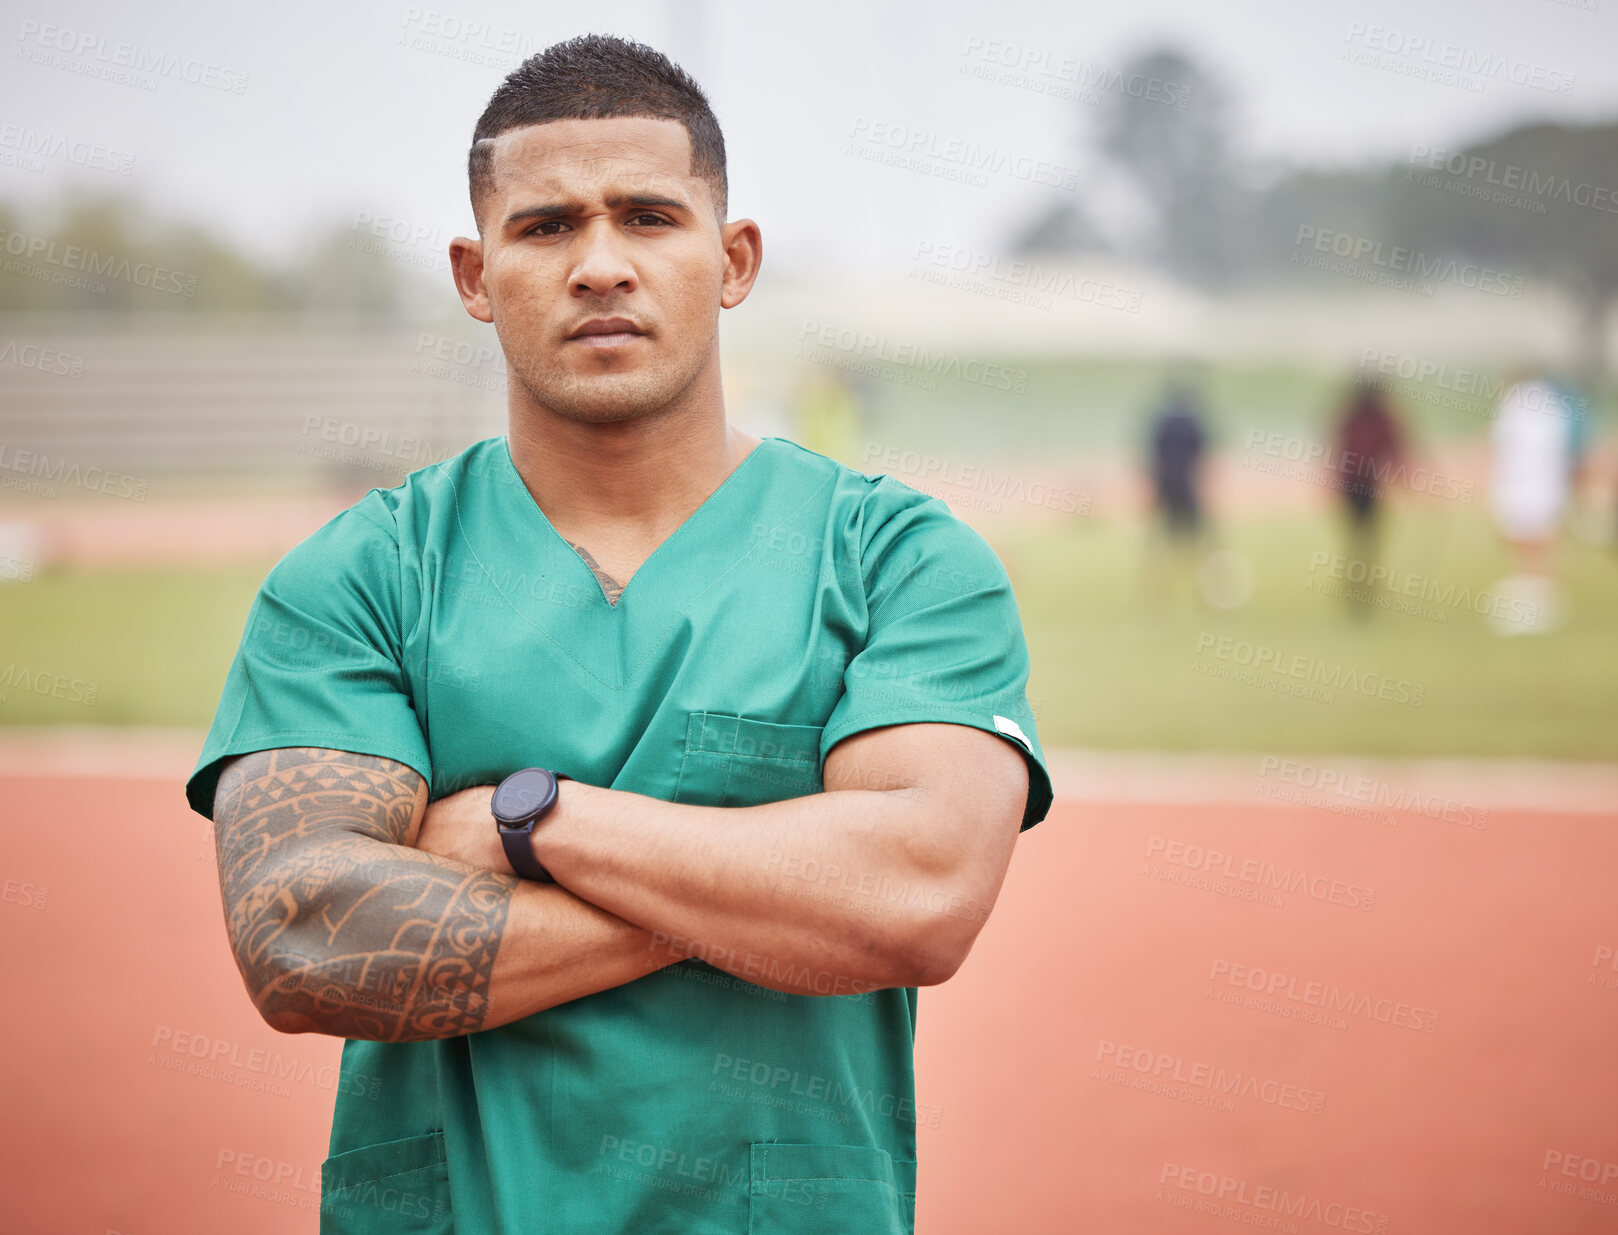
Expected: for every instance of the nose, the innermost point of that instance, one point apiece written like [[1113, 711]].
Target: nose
[[603, 264]]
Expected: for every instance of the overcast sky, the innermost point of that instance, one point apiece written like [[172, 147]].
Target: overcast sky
[[312, 112]]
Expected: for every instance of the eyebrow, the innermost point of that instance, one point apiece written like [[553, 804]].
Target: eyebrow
[[561, 210]]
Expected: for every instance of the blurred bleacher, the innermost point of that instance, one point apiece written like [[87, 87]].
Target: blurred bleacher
[[333, 403]]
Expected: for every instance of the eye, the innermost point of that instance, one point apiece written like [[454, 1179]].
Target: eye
[[538, 228], [655, 218]]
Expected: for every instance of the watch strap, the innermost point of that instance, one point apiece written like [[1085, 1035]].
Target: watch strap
[[519, 847]]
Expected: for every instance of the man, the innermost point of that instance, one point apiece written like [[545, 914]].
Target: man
[[788, 699], [1177, 541], [1368, 446], [1175, 462], [1537, 445]]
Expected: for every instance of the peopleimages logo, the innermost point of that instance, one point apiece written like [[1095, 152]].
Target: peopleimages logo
[[41, 40], [1364, 257], [1580, 1167], [1259, 873], [44, 682], [94, 264], [1325, 783], [1227, 1190], [1469, 385], [1039, 68], [1424, 587], [42, 359], [1013, 279], [1162, 1069], [256, 1068], [1337, 468], [875, 886], [34, 146], [1004, 486], [1323, 995], [768, 969], [1310, 669], [865, 344], [681, 1162], [829, 1091], [967, 157], [1548, 186], [1420, 51]]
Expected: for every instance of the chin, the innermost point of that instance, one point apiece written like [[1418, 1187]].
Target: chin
[[599, 398], [622, 396]]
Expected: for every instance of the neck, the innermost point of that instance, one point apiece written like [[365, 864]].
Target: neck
[[647, 474]]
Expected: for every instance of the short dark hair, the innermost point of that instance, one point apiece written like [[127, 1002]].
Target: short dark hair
[[598, 77]]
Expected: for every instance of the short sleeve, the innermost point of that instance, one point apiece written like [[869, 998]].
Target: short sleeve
[[320, 661], [944, 642]]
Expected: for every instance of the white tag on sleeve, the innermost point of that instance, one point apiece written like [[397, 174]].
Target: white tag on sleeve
[[1011, 729]]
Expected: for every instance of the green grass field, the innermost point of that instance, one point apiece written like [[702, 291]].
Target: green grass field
[[153, 644], [1113, 667]]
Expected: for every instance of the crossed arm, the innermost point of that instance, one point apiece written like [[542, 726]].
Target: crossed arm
[[355, 910]]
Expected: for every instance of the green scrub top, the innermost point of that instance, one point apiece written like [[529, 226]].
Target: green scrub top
[[445, 624]]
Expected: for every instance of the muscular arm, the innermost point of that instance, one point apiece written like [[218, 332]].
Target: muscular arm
[[885, 879], [340, 927]]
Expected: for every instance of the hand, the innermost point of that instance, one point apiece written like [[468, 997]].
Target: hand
[[461, 828]]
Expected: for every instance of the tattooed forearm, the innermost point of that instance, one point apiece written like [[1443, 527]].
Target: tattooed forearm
[[338, 926]]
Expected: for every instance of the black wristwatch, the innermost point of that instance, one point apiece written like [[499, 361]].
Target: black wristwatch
[[521, 801]]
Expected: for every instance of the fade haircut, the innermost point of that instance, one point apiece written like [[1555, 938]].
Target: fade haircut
[[598, 77]]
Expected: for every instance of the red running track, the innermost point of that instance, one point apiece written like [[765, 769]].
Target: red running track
[[1432, 1047]]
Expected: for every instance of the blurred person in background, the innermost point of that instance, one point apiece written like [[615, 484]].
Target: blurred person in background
[[1369, 445], [1537, 446], [1176, 445]]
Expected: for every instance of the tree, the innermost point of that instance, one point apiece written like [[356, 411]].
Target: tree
[[1537, 201], [1166, 128]]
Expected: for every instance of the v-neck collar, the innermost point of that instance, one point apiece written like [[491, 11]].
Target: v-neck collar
[[559, 539]]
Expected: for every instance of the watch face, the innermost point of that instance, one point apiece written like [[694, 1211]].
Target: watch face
[[521, 794]]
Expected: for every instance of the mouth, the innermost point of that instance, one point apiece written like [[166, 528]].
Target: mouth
[[607, 332]]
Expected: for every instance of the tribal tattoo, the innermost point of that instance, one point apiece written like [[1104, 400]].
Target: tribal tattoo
[[338, 925], [610, 587]]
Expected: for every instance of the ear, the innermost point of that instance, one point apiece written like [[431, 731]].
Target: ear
[[744, 254], [466, 264]]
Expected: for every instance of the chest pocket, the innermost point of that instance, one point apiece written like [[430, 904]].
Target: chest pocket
[[735, 761]]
